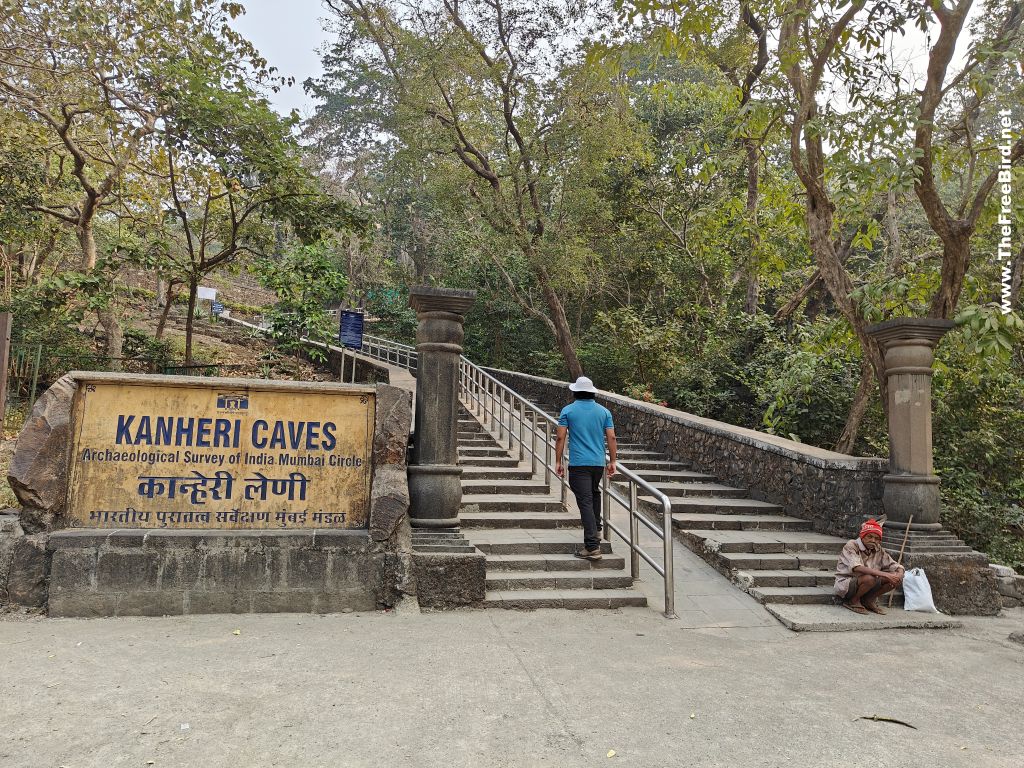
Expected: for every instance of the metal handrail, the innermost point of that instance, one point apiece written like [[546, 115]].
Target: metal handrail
[[520, 423]]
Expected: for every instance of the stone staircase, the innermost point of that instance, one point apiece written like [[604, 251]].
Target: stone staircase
[[774, 557], [527, 535]]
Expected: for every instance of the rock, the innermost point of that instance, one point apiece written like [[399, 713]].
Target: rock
[[393, 422], [389, 503], [39, 470], [960, 584], [1016, 637], [27, 580], [1002, 571]]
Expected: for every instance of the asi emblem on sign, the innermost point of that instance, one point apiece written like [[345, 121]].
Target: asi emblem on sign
[[191, 455]]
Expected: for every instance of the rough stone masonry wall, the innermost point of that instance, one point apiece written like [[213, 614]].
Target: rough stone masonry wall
[[94, 572], [833, 491]]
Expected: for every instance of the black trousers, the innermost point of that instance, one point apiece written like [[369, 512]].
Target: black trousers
[[585, 483]]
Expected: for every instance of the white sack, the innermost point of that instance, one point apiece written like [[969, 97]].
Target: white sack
[[917, 593]]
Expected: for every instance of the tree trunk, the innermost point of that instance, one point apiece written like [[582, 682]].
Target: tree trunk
[[563, 334], [115, 337], [193, 289], [753, 284], [956, 258], [87, 241], [168, 300], [859, 406]]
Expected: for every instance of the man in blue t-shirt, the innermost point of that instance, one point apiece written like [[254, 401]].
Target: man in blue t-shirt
[[588, 426]]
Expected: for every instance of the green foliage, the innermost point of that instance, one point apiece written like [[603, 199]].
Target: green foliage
[[305, 279]]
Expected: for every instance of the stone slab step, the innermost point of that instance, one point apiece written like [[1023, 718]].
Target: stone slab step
[[835, 618], [625, 453], [576, 579], [474, 452], [475, 487], [793, 595], [765, 542], [476, 440], [705, 489], [767, 578], [464, 549], [471, 473], [519, 520], [553, 562], [564, 598], [698, 522], [488, 461], [534, 546], [715, 505], [669, 476], [510, 502], [785, 561], [636, 465]]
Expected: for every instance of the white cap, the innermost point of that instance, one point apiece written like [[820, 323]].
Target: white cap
[[583, 384]]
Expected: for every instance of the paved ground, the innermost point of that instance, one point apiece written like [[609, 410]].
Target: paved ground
[[723, 685]]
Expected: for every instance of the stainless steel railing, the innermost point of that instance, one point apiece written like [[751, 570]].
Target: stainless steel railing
[[524, 429]]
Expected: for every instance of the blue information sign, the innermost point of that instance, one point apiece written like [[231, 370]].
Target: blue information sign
[[350, 332], [217, 307]]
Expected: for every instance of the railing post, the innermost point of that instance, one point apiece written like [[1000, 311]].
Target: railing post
[[670, 584], [606, 506], [634, 533], [547, 455], [533, 442], [522, 428]]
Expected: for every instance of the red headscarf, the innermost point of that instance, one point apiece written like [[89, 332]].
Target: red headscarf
[[871, 526]]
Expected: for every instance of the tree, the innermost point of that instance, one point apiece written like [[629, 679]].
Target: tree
[[498, 88]]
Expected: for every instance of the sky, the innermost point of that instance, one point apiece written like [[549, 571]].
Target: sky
[[287, 34]]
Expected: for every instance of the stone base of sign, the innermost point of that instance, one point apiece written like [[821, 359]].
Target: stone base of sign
[[961, 584], [449, 580], [121, 572], [162, 572]]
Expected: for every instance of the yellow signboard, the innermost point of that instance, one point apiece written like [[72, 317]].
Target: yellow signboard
[[162, 455]]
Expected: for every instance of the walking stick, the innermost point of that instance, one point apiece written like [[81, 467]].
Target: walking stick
[[899, 559]]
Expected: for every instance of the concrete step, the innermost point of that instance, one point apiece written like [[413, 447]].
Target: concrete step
[[472, 452], [553, 562], [782, 561], [488, 461], [476, 487], [471, 473], [766, 578], [669, 476], [519, 520], [534, 543], [571, 599], [697, 490], [477, 440], [575, 579], [637, 465], [626, 453], [766, 541], [450, 548], [511, 502], [703, 522], [716, 505], [793, 595]]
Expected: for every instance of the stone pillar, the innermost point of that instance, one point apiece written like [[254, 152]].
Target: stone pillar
[[911, 487], [435, 486]]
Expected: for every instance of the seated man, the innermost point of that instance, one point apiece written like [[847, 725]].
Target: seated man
[[865, 571]]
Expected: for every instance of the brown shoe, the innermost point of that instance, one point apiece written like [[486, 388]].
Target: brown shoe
[[589, 554]]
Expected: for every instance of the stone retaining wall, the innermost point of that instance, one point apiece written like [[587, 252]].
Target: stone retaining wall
[[162, 572], [834, 491]]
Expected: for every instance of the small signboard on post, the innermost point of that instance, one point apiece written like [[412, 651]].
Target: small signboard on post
[[218, 308], [350, 330]]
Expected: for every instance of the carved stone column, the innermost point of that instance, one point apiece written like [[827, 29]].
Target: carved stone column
[[911, 487], [434, 477]]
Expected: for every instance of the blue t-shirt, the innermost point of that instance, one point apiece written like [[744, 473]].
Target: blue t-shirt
[[587, 422]]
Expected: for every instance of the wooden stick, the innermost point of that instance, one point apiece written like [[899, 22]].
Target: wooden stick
[[899, 559]]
